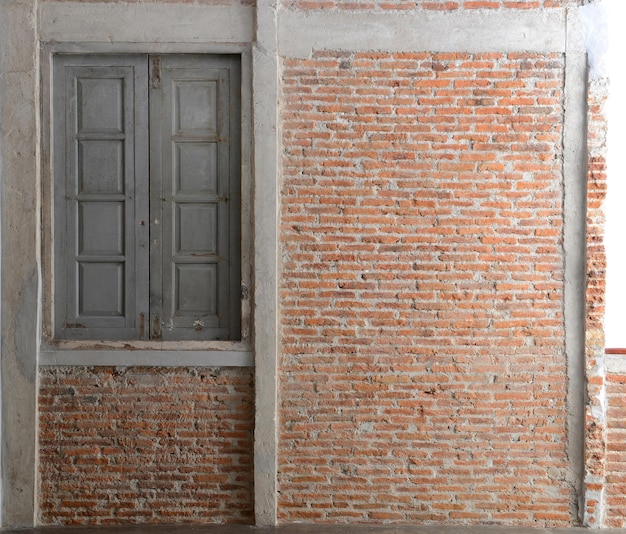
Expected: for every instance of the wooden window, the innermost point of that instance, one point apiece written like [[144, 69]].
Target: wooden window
[[147, 194]]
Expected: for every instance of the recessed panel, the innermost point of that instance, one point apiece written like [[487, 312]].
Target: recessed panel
[[195, 105], [100, 105], [196, 168], [101, 167], [196, 228], [101, 289], [196, 289], [101, 228]]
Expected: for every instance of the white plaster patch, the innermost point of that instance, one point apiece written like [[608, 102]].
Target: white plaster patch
[[595, 23]]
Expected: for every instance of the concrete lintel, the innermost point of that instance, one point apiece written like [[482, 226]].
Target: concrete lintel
[[112, 22], [299, 33], [154, 358], [94, 47]]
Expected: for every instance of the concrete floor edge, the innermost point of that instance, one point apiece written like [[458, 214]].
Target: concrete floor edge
[[301, 528]]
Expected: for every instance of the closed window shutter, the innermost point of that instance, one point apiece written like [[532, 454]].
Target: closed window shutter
[[147, 194], [101, 197], [195, 140]]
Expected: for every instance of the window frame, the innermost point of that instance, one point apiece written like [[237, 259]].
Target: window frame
[[54, 351]]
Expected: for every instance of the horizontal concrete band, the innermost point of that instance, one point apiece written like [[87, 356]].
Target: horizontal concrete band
[[148, 358], [299, 33], [144, 23]]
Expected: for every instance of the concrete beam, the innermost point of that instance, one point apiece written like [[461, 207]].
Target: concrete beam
[[299, 33], [148, 358], [144, 22]]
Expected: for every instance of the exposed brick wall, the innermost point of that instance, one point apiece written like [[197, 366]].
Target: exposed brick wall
[[430, 5], [595, 425], [616, 452], [146, 445], [423, 374], [596, 195]]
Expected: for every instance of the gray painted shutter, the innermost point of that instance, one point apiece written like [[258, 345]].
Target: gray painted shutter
[[101, 196], [195, 213]]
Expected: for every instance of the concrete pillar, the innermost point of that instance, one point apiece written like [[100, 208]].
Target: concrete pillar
[[18, 259], [266, 190]]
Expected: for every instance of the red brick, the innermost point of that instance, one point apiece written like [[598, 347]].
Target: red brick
[[150, 432], [440, 308]]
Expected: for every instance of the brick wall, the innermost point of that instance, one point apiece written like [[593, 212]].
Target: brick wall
[[616, 452], [146, 445], [430, 5], [423, 375]]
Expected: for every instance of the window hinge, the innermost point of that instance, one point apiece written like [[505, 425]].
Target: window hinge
[[245, 292], [155, 72], [156, 327]]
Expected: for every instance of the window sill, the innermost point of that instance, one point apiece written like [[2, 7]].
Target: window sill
[[147, 354]]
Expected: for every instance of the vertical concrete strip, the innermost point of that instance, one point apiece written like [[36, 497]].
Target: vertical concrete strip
[[19, 284], [574, 169], [266, 188]]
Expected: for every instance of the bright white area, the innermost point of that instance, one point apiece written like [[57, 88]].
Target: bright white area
[[615, 206]]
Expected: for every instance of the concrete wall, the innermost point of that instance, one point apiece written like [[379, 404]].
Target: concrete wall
[[422, 326]]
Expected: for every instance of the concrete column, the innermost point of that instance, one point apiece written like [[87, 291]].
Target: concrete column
[[18, 260], [574, 175], [266, 259]]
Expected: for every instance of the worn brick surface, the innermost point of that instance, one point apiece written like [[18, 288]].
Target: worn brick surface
[[616, 452], [423, 374], [595, 420], [145, 445], [596, 195]]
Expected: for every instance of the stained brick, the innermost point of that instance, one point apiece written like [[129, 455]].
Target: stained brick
[[142, 445]]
